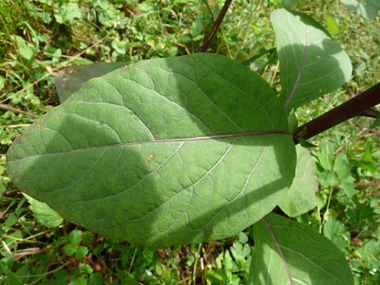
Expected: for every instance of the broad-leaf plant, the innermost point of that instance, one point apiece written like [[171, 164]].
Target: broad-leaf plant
[[190, 149]]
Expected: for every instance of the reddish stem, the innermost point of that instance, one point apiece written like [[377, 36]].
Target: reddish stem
[[216, 26], [344, 112]]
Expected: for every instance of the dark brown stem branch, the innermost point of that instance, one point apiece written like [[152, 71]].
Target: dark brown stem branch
[[344, 112], [216, 26]]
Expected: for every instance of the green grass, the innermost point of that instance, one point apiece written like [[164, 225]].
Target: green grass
[[41, 37]]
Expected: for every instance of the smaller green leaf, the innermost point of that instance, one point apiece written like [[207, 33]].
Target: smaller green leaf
[[349, 188], [46, 18], [81, 252], [162, 270], [67, 12], [43, 259], [304, 219], [185, 39], [332, 24], [374, 202], [261, 52], [370, 247], [292, 122], [57, 55], [277, 3], [368, 165], [228, 262], [127, 278], [335, 231], [311, 63], [62, 275], [375, 124], [359, 69], [85, 267], [300, 197], [20, 208], [216, 277], [27, 52], [304, 143], [43, 213], [301, 133], [75, 237], [342, 167], [368, 10], [238, 253], [367, 155], [2, 232], [322, 199], [243, 237], [366, 212], [289, 3], [309, 257], [96, 279], [77, 280], [11, 278], [328, 178], [70, 249], [196, 27], [120, 47], [148, 254], [326, 155], [218, 261], [10, 221], [98, 249], [145, 7]]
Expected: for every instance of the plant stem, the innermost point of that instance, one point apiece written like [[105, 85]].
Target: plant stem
[[44, 274], [195, 264], [210, 10], [133, 259], [344, 112], [216, 26], [330, 195], [6, 107], [16, 126]]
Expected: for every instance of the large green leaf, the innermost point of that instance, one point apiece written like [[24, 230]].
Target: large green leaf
[[70, 79], [300, 197], [311, 63], [166, 151], [287, 250]]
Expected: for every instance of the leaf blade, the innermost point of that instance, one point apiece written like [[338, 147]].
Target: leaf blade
[[300, 197], [310, 257], [311, 63], [173, 143]]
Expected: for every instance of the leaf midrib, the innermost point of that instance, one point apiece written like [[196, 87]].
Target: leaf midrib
[[167, 140]]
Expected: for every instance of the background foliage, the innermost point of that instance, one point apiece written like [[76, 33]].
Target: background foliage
[[39, 38]]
